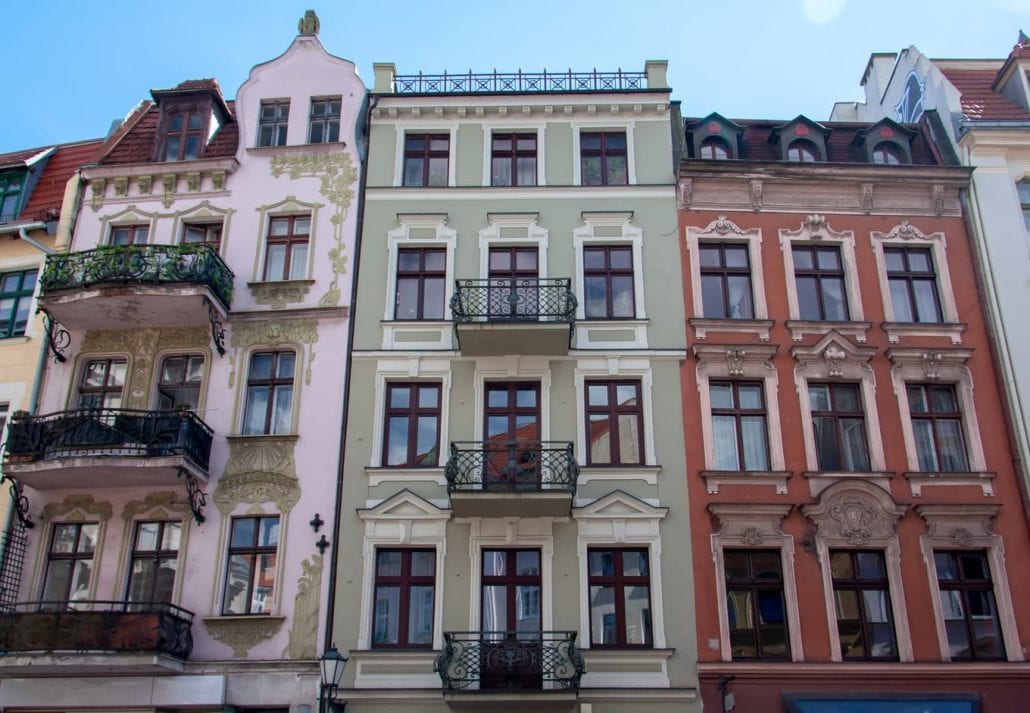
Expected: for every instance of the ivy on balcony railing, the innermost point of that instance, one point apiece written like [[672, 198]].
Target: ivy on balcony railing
[[510, 660], [519, 82], [111, 626], [91, 432], [512, 466], [140, 264], [522, 299]]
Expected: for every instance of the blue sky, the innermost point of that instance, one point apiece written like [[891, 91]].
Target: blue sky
[[73, 66]]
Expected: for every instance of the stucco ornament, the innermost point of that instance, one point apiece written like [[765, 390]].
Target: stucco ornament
[[834, 357], [756, 196], [145, 184], [260, 469], [853, 516], [735, 361], [97, 188], [722, 226], [84, 504], [867, 198], [241, 634], [752, 536], [932, 364], [855, 513], [309, 24], [816, 225], [906, 231], [304, 631], [962, 537], [163, 501], [337, 175], [686, 193], [280, 294], [121, 186], [273, 334], [168, 183]]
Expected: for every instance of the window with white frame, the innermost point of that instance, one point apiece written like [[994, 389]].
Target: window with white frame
[[936, 420], [739, 425], [609, 267], [620, 597], [421, 249], [405, 586]]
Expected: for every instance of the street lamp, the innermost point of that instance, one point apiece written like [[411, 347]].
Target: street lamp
[[331, 664]]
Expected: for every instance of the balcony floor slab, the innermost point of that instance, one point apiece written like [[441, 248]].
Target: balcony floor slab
[[102, 471]]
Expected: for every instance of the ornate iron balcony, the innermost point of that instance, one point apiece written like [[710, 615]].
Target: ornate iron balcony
[[512, 466], [140, 264], [96, 432], [112, 626], [519, 82], [510, 660], [522, 299]]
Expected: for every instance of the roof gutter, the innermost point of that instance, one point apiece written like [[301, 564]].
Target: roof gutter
[[22, 231]]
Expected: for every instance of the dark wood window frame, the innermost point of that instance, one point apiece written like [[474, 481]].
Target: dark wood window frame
[[209, 232], [276, 124], [73, 556], [724, 272], [612, 411], [934, 417], [425, 154], [273, 384], [964, 586], [860, 584], [10, 325], [738, 413], [134, 231], [607, 273], [513, 154], [511, 581], [754, 587], [157, 556], [887, 153], [421, 275], [714, 148], [803, 151], [818, 274], [605, 152], [412, 413], [107, 388], [404, 583], [291, 240], [619, 582], [837, 413], [164, 393], [910, 277], [11, 186], [324, 115], [253, 550], [184, 132]]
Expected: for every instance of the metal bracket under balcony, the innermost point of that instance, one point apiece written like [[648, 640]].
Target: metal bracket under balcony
[[511, 478], [499, 316], [525, 667], [87, 634], [91, 448], [138, 285]]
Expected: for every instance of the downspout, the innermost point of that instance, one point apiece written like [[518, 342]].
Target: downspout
[[330, 608]]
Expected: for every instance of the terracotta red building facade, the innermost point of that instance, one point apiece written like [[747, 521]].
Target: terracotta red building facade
[[856, 524]]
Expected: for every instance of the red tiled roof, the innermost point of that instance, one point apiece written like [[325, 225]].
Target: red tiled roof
[[979, 100], [134, 141], [47, 196], [16, 158], [191, 84]]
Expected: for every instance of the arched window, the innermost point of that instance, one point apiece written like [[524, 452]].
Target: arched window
[[802, 151], [715, 148], [887, 154]]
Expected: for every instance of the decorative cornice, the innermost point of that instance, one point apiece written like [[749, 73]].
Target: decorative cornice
[[242, 633]]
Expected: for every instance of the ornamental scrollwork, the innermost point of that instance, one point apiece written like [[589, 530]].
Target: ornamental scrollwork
[[273, 334], [241, 634], [256, 487], [83, 503], [304, 630]]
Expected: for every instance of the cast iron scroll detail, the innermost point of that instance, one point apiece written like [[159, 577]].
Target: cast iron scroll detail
[[512, 466], [510, 660]]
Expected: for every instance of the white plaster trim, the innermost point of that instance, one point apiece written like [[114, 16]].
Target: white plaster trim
[[957, 527], [750, 527], [437, 334], [489, 370], [539, 127], [906, 235], [723, 230], [534, 193], [645, 474], [379, 476], [585, 235], [603, 125], [429, 127], [400, 237], [613, 368], [586, 330], [815, 230], [428, 370], [491, 237], [621, 520]]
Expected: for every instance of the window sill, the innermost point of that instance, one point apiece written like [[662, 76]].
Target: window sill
[[294, 148], [377, 475], [266, 437], [917, 480], [800, 327], [703, 325], [896, 330], [629, 667], [11, 341], [415, 322], [714, 479]]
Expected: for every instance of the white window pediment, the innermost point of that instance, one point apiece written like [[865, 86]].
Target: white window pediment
[[404, 506], [513, 230], [619, 505]]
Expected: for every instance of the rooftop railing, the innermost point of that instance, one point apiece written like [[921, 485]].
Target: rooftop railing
[[519, 82]]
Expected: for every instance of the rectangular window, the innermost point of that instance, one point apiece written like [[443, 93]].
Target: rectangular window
[[250, 572], [603, 158], [10, 196], [608, 282], [838, 423], [1023, 188], [513, 160], [819, 275], [426, 159], [405, 588], [101, 384], [184, 135], [179, 383], [286, 250], [755, 604], [620, 598], [324, 123], [275, 117], [421, 280], [154, 561], [739, 425], [937, 428], [15, 297], [269, 403], [615, 423], [412, 425], [726, 281], [862, 601], [967, 602], [70, 562], [913, 284], [202, 234], [129, 234]]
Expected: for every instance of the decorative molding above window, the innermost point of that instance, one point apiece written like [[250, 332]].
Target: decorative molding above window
[[886, 142], [714, 128], [801, 132]]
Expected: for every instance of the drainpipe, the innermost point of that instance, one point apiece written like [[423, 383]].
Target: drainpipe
[[330, 607]]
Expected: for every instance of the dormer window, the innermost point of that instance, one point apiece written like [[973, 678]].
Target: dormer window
[[802, 151], [715, 148], [887, 154], [10, 194], [184, 135], [885, 143]]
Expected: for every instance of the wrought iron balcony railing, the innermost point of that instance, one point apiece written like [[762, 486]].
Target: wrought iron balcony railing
[[519, 82], [511, 466], [522, 299], [92, 432], [87, 626], [510, 660], [140, 264]]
